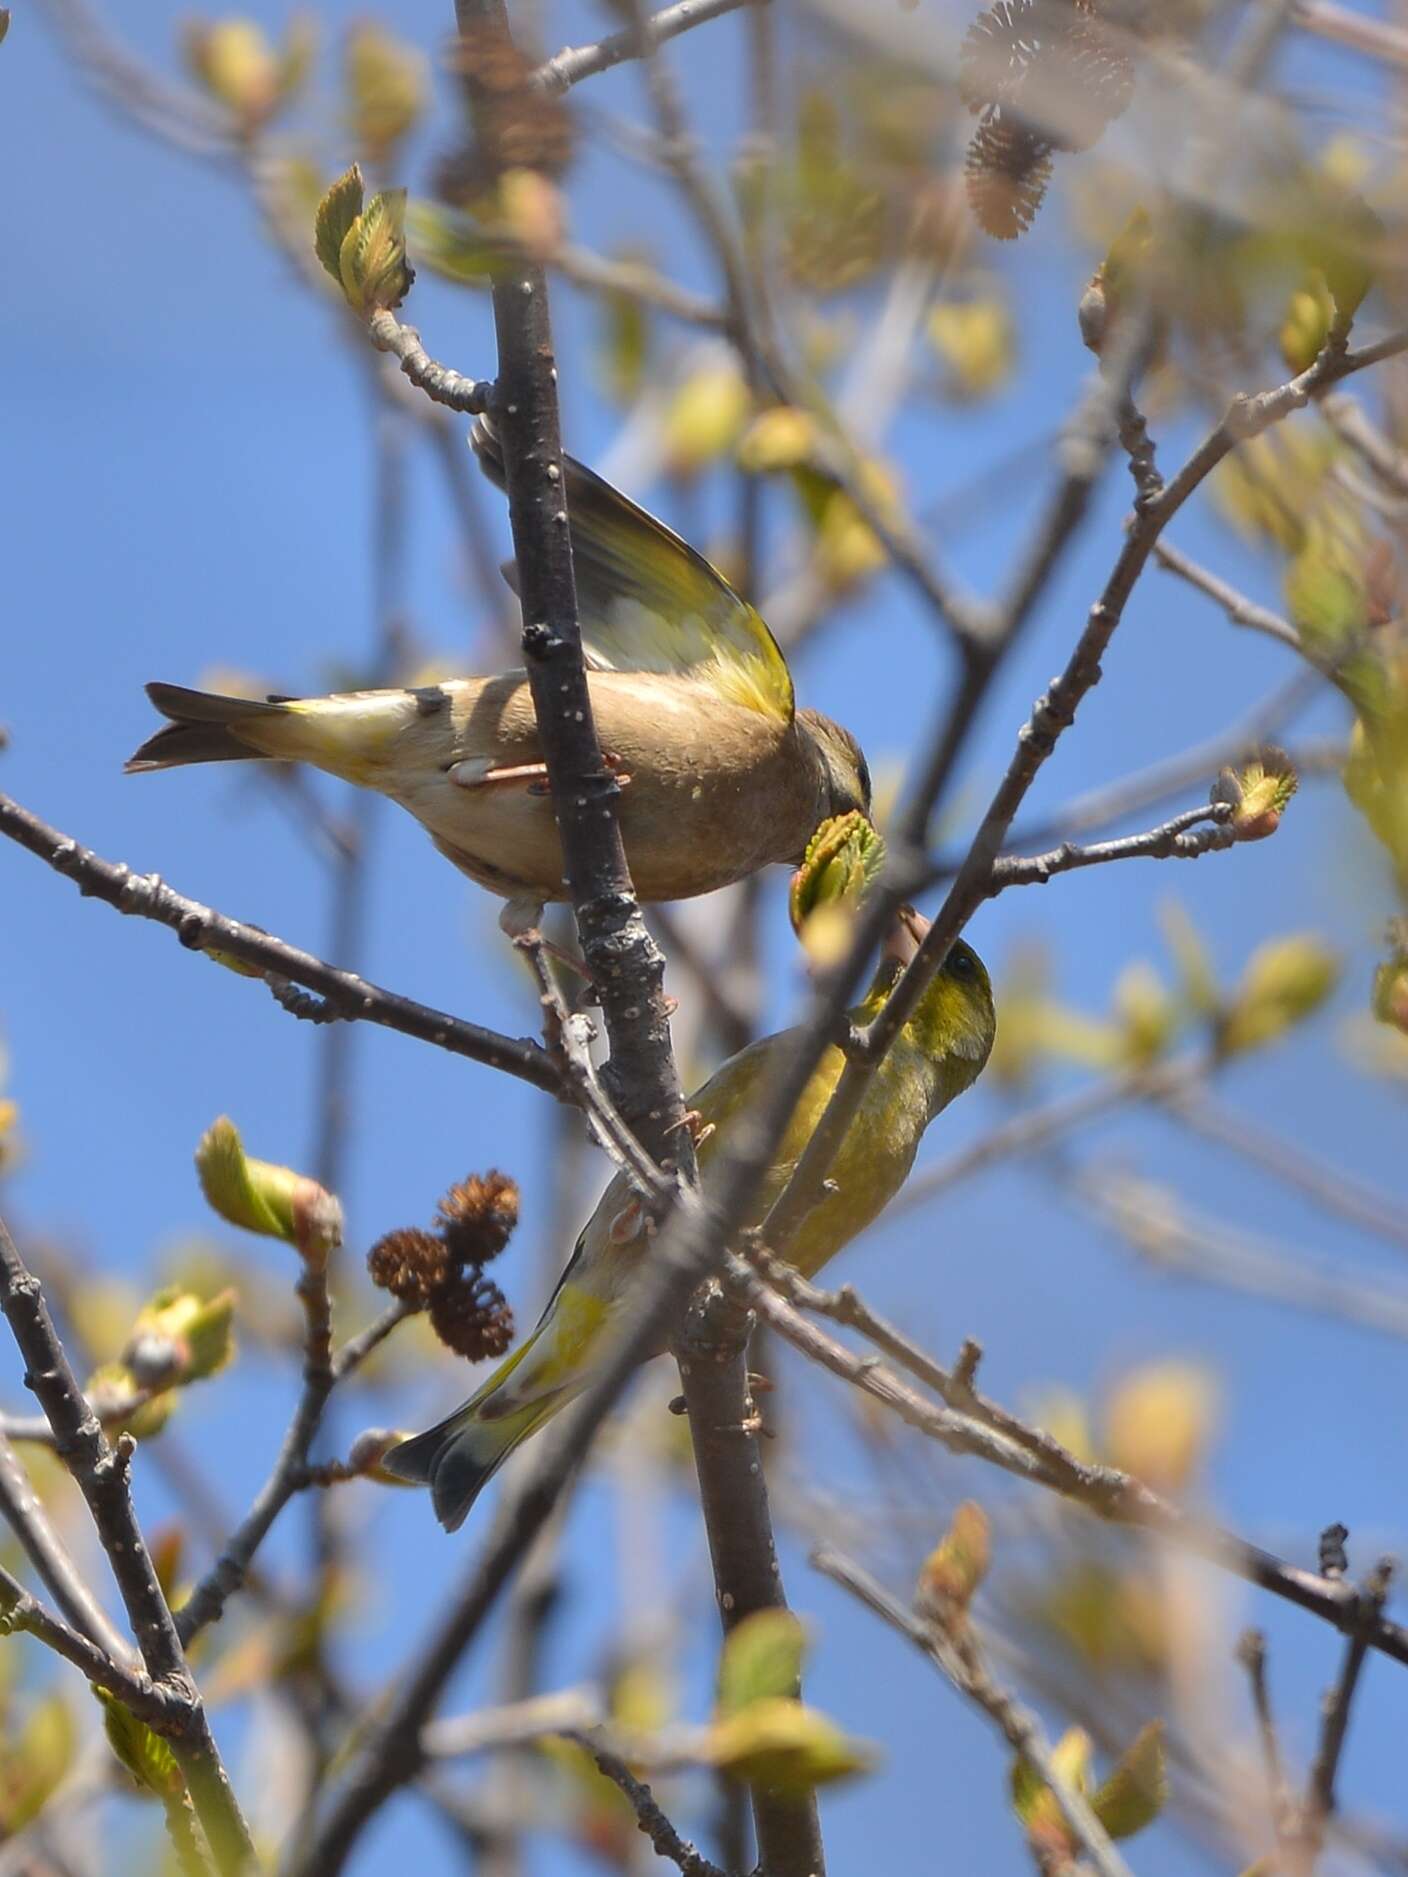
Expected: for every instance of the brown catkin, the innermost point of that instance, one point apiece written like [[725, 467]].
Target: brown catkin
[[413, 1265], [471, 1316], [477, 1216]]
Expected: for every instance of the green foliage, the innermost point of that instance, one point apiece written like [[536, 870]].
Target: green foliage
[[1128, 1801], [385, 84], [274, 1201], [786, 1747], [363, 249], [1285, 981], [144, 1755], [950, 1576], [762, 1659], [1137, 1789], [34, 1761], [842, 863]]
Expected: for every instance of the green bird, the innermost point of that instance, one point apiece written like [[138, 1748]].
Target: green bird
[[938, 1054], [722, 774]]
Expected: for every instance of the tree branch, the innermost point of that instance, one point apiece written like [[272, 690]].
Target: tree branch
[[23, 1511], [350, 998], [1030, 1453], [1170, 841], [322, 1371], [712, 1349], [439, 383], [649, 1818], [960, 1659], [20, 1612], [101, 1474], [574, 63]]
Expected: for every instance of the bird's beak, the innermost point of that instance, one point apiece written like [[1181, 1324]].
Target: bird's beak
[[906, 935]]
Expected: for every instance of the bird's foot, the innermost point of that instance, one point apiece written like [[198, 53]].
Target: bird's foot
[[696, 1126]]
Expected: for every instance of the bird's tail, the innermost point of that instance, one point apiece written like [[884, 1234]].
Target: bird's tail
[[457, 1458], [204, 728]]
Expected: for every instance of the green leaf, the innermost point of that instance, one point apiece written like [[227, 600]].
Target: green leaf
[[452, 246], [842, 862], [1137, 1790], [1285, 981], [762, 1660], [372, 259], [145, 1755], [337, 212], [36, 1762], [274, 1201], [200, 1331], [1035, 1803], [785, 1746], [957, 1565]]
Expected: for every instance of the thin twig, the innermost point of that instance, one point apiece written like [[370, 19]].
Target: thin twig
[[439, 383], [202, 929], [322, 1371], [19, 1611], [1307, 1841], [1324, 1181], [574, 63], [1350, 422], [1251, 1653], [1170, 841], [959, 1658], [1030, 1453], [23, 1511], [101, 1474], [1238, 608], [663, 1836]]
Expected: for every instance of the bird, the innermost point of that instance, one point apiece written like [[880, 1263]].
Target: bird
[[940, 1051], [721, 773]]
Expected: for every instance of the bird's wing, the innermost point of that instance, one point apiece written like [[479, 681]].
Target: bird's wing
[[649, 602]]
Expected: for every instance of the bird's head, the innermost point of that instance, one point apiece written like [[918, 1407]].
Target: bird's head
[[845, 773], [956, 1019]]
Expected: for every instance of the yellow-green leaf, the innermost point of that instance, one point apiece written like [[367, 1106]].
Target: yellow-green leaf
[[953, 1570], [1137, 1789], [145, 1755], [372, 259], [386, 88], [786, 1747], [36, 1761], [274, 1201], [200, 1332], [337, 213], [1285, 981], [762, 1660]]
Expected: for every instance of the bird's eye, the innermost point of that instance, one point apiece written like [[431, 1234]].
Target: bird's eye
[[960, 962]]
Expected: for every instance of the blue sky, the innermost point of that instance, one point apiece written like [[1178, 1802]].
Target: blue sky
[[190, 483]]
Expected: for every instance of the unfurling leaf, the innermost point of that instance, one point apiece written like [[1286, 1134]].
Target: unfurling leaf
[[784, 1746], [1035, 1803], [1258, 792], [1158, 1423], [145, 1755], [274, 1201], [841, 864], [1284, 982], [179, 1337], [370, 1448], [112, 1386], [951, 1574], [336, 213], [1197, 979], [1137, 1789], [761, 1661], [372, 259], [386, 85], [238, 66]]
